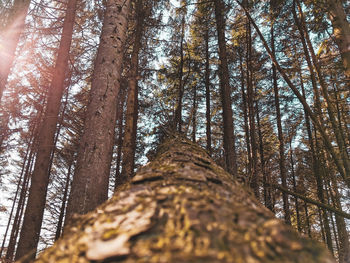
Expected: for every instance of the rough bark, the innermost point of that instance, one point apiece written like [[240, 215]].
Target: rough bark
[[91, 177], [182, 207], [12, 32], [34, 212], [341, 31], [225, 91], [129, 143]]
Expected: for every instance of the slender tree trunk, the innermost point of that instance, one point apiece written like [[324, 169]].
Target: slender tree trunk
[[37, 193], [245, 116], [207, 91], [250, 100], [12, 31], [178, 110], [91, 177], [28, 154], [156, 216], [64, 202], [341, 31], [225, 91], [280, 136], [320, 194], [129, 142], [343, 235], [120, 118], [294, 186], [20, 207], [194, 114], [267, 188]]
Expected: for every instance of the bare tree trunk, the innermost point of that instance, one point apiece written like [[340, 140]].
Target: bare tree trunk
[[225, 91], [178, 110], [120, 118], [245, 116], [12, 31], [91, 177], [294, 185], [207, 91], [64, 202], [182, 207], [20, 207], [280, 136], [341, 31], [37, 193], [250, 100], [129, 142]]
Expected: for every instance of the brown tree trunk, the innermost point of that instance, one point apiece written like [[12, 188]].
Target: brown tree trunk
[[12, 31], [207, 91], [129, 142], [294, 185], [91, 177], [245, 116], [341, 31], [182, 207], [280, 135], [20, 207], [37, 193], [225, 91], [120, 118], [64, 202], [178, 110], [250, 100]]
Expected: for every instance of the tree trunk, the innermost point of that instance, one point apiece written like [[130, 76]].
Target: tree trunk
[[280, 135], [91, 177], [12, 32], [129, 142], [182, 207], [37, 193], [225, 91], [178, 110], [64, 202], [119, 143], [207, 90], [341, 31]]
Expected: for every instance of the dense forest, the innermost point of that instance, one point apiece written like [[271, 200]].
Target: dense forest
[[87, 89]]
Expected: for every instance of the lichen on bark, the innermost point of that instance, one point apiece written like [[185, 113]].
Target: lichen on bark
[[182, 207]]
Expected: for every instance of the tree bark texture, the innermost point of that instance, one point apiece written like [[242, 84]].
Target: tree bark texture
[[182, 207], [11, 34], [129, 143], [225, 91], [91, 177], [341, 31], [34, 211]]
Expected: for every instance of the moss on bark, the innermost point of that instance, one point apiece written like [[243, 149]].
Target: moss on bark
[[182, 207]]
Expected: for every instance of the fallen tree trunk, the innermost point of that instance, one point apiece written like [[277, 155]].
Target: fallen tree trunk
[[182, 207]]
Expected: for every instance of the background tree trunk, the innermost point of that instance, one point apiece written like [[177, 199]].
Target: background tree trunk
[[182, 207], [91, 177], [34, 211], [225, 91]]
